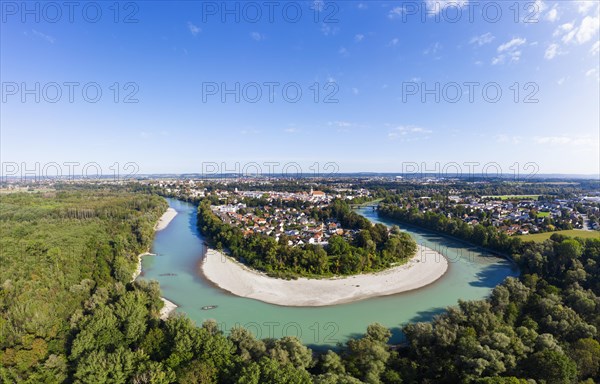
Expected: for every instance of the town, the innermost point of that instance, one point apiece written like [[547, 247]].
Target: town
[[283, 205], [274, 218], [516, 215], [510, 214]]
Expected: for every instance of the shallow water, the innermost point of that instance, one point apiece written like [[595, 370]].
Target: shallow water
[[179, 249]]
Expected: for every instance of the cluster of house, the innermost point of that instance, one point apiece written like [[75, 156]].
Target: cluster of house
[[314, 197], [181, 188], [271, 219], [297, 226], [521, 217], [198, 189]]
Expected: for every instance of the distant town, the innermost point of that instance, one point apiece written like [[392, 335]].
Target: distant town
[[516, 214], [275, 206]]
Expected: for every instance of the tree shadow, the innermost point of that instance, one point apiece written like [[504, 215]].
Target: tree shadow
[[193, 223], [426, 315], [398, 337], [492, 275]]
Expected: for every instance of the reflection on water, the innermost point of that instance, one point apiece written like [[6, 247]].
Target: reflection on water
[[179, 251]]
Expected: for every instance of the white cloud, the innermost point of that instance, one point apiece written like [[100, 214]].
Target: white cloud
[[589, 28], [433, 49], [327, 30], [563, 28], [512, 44], [552, 15], [567, 38], [409, 133], [582, 34], [341, 123], [551, 52], [343, 51], [362, 6], [593, 73], [504, 139], [257, 36], [584, 6], [395, 12], [436, 6], [355, 91], [509, 50], [342, 126], [48, 38], [419, 130], [318, 5], [394, 41], [581, 141], [539, 5], [595, 48], [359, 37], [291, 130], [194, 30], [480, 40]]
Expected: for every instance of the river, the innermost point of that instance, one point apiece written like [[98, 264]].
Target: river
[[179, 249]]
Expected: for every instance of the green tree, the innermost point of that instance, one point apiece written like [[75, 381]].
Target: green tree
[[586, 354], [552, 367]]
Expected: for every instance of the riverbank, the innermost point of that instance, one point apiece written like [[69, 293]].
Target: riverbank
[[480, 248], [423, 269], [161, 224], [167, 308], [165, 219]]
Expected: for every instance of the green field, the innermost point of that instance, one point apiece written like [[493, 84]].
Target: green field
[[370, 202], [514, 197], [543, 214], [540, 237]]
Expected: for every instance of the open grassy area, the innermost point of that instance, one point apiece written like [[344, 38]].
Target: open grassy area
[[541, 237], [543, 214], [370, 202], [514, 197]]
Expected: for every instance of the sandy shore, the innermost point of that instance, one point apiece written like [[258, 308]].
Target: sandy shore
[[162, 223], [138, 268], [165, 219], [167, 309], [423, 269]]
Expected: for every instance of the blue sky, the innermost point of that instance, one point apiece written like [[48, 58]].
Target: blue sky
[[380, 66]]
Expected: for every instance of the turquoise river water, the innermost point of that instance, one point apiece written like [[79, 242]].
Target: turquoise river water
[[179, 250]]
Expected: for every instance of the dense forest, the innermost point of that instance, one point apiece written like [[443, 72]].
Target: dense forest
[[373, 247], [542, 326], [76, 318], [56, 250]]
